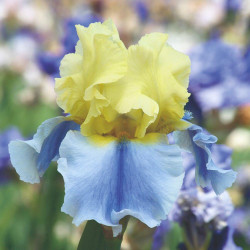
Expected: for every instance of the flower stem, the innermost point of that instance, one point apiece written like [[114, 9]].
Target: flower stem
[[98, 237]]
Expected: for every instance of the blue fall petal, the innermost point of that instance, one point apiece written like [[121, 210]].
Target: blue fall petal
[[221, 157], [31, 158], [196, 141], [50, 146], [106, 183]]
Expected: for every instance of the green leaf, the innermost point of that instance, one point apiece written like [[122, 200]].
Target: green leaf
[[93, 238], [173, 238]]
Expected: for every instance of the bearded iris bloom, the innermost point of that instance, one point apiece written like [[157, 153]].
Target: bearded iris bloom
[[112, 150]]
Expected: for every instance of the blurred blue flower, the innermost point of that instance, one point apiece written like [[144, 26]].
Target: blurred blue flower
[[160, 234], [198, 212], [204, 206], [243, 184], [245, 75], [212, 63], [233, 5], [142, 10], [49, 63], [240, 221], [6, 136], [216, 76]]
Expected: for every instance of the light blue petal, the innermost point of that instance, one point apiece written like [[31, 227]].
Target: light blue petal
[[196, 141], [23, 157], [31, 158], [106, 183]]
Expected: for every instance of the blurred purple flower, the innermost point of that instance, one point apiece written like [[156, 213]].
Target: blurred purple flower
[[216, 75], [49, 63], [225, 95], [160, 234], [213, 62], [233, 5], [142, 10], [197, 211], [204, 207], [240, 221], [5, 137], [243, 184], [245, 76]]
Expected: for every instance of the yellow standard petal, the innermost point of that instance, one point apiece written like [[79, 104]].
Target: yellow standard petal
[[100, 59], [155, 85]]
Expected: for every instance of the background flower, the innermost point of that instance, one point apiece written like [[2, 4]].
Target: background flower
[[5, 138], [219, 77]]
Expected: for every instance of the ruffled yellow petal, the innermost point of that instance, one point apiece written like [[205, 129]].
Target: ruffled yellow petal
[[96, 125], [177, 63], [100, 59], [110, 64], [110, 90], [78, 48], [70, 91], [154, 43], [71, 64], [172, 104], [151, 85]]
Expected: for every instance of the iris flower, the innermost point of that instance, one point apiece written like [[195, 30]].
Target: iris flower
[[112, 150]]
